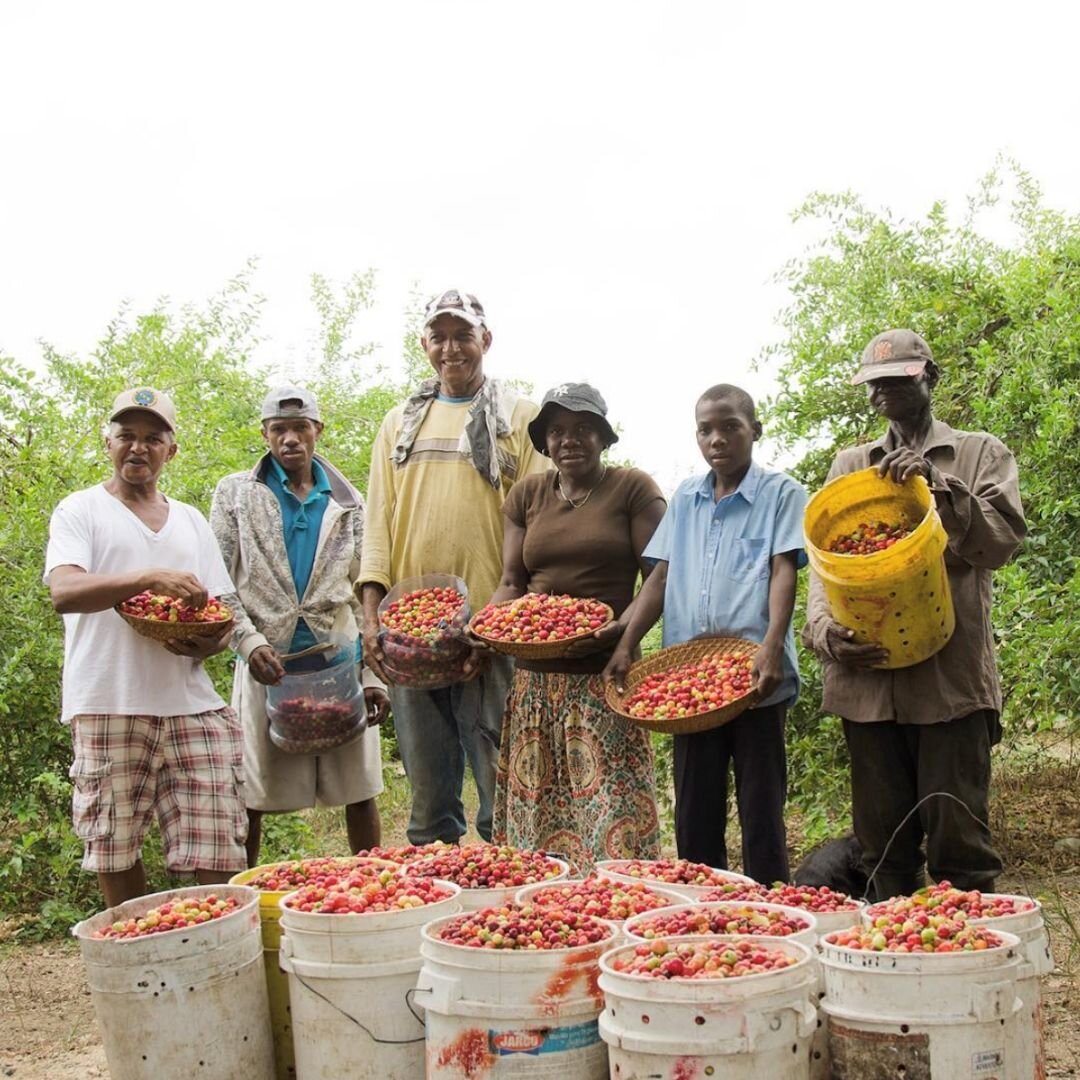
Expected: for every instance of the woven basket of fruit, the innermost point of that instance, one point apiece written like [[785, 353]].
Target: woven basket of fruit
[[164, 618], [688, 688], [539, 626]]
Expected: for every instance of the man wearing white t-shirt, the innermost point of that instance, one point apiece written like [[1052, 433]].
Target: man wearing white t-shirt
[[150, 733]]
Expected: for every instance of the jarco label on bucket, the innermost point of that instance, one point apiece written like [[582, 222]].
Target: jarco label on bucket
[[536, 1041], [988, 1065]]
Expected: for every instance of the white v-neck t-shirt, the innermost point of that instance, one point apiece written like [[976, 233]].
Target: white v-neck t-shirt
[[108, 667]]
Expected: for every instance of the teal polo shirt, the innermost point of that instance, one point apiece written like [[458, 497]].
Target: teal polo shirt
[[301, 522]]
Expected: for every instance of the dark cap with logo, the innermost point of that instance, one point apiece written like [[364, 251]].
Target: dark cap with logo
[[574, 397], [893, 354]]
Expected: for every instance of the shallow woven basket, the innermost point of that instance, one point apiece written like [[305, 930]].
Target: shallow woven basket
[[535, 650], [674, 656], [172, 631]]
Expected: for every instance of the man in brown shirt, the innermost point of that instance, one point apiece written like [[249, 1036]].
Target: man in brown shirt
[[927, 728]]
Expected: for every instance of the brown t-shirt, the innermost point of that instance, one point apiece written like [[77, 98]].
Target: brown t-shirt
[[585, 550]]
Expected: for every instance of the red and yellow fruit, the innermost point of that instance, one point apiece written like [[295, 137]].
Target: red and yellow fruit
[[869, 538], [663, 959], [523, 926], [690, 689], [179, 914], [156, 607], [540, 617]]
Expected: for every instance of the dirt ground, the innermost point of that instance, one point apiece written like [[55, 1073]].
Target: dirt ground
[[48, 1030]]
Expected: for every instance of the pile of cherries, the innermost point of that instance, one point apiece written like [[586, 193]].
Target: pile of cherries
[[602, 899], [806, 897], [156, 607], [540, 617], [921, 933], [488, 866], [405, 853], [869, 539], [424, 614], [664, 959], [944, 899], [671, 871], [525, 927], [715, 919], [325, 870], [179, 914], [690, 689], [368, 890]]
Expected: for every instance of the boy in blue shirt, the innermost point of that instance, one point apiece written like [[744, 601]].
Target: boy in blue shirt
[[727, 554]]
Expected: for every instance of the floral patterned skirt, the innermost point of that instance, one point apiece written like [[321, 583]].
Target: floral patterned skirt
[[574, 778]]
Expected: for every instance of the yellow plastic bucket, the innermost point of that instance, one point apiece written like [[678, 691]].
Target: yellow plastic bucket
[[277, 982], [899, 597]]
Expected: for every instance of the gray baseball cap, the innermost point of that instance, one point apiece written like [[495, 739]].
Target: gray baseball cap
[[281, 403], [574, 397], [893, 354]]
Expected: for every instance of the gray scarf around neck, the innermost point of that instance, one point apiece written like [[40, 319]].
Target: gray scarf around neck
[[489, 419]]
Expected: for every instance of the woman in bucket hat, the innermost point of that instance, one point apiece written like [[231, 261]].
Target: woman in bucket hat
[[574, 777]]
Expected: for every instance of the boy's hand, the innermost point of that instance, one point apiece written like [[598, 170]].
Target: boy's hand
[[597, 641], [767, 671], [845, 649], [617, 667]]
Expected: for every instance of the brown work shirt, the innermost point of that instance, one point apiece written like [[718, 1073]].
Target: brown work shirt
[[585, 550], [976, 489]]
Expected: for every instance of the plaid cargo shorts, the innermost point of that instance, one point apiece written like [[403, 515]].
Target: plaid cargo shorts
[[186, 769]]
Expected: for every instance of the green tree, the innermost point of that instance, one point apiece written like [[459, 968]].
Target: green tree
[[51, 443], [1003, 318]]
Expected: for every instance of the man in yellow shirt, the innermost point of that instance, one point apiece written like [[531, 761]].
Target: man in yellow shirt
[[441, 467]]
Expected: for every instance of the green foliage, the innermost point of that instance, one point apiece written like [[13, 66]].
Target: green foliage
[[1003, 320], [51, 443]]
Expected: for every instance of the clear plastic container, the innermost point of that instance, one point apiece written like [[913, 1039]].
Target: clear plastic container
[[419, 664], [311, 712]]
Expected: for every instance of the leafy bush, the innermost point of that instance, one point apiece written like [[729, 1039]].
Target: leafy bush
[[1003, 320], [51, 443]]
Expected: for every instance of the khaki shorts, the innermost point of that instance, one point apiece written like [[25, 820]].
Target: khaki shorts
[[276, 781], [185, 769]]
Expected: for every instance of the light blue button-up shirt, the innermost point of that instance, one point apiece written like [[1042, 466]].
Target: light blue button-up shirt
[[719, 555]]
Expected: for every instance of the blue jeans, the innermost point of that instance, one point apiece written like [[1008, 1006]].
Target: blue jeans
[[436, 731]]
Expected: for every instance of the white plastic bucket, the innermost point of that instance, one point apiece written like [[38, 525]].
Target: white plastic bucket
[[495, 1013], [1038, 960], [807, 936], [757, 1027], [604, 869], [1029, 927], [350, 980], [924, 1014], [475, 899], [188, 1002]]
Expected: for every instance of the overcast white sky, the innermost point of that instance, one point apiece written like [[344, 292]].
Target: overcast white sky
[[613, 179]]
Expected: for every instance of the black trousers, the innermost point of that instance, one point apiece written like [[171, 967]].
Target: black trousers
[[893, 766], [754, 741]]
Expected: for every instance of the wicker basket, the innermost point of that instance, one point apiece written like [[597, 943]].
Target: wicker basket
[[674, 656], [173, 631], [535, 650]]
